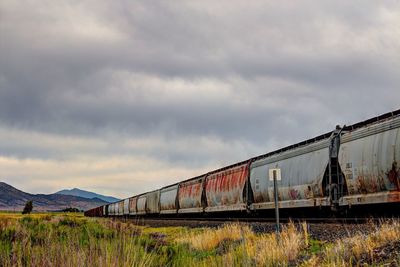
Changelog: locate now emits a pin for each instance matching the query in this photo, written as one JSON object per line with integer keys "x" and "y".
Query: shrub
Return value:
{"x": 28, "y": 207}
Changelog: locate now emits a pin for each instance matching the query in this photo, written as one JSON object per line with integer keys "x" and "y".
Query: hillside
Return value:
{"x": 86, "y": 194}
{"x": 14, "y": 199}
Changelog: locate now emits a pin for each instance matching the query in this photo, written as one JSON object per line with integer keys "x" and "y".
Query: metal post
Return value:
{"x": 276, "y": 202}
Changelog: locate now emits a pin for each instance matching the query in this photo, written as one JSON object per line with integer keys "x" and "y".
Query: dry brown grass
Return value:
{"x": 351, "y": 250}
{"x": 259, "y": 250}
{"x": 211, "y": 238}
{"x": 272, "y": 250}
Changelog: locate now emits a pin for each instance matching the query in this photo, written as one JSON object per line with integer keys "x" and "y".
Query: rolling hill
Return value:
{"x": 86, "y": 194}
{"x": 13, "y": 199}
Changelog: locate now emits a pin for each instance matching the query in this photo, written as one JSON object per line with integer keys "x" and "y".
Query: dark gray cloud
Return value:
{"x": 193, "y": 84}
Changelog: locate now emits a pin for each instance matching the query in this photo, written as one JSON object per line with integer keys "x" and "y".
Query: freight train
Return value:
{"x": 349, "y": 167}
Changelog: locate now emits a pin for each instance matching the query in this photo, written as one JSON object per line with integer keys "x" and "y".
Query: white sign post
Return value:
{"x": 275, "y": 175}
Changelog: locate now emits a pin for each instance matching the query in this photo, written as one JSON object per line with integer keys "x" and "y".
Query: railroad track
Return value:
{"x": 342, "y": 220}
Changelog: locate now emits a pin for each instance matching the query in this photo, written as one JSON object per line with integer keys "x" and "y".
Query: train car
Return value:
{"x": 88, "y": 213}
{"x": 120, "y": 208}
{"x": 109, "y": 213}
{"x": 191, "y": 195}
{"x": 105, "y": 209}
{"x": 132, "y": 205}
{"x": 302, "y": 171}
{"x": 141, "y": 204}
{"x": 169, "y": 199}
{"x": 95, "y": 212}
{"x": 153, "y": 202}
{"x": 115, "y": 209}
{"x": 226, "y": 189}
{"x": 126, "y": 207}
{"x": 100, "y": 212}
{"x": 369, "y": 157}
{"x": 112, "y": 209}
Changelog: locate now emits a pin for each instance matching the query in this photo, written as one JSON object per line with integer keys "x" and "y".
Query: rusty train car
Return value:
{"x": 352, "y": 166}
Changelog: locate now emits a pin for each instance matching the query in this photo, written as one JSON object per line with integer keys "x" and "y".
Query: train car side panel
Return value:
{"x": 168, "y": 199}
{"x": 141, "y": 205}
{"x": 132, "y": 205}
{"x": 370, "y": 160}
{"x": 152, "y": 204}
{"x": 190, "y": 195}
{"x": 225, "y": 189}
{"x": 106, "y": 209}
{"x": 121, "y": 208}
{"x": 126, "y": 206}
{"x": 302, "y": 173}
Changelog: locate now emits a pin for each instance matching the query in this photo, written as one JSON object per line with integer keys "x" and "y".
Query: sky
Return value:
{"x": 121, "y": 97}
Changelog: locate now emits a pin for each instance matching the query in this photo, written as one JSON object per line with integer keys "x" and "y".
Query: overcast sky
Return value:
{"x": 120, "y": 97}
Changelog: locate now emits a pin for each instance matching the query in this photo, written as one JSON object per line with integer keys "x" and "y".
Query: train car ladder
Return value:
{"x": 336, "y": 179}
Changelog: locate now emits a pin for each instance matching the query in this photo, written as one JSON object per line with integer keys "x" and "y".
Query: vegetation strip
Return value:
{"x": 66, "y": 239}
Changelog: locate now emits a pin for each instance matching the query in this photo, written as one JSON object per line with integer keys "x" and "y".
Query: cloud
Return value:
{"x": 182, "y": 87}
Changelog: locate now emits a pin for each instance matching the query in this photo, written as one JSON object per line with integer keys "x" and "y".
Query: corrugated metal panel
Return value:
{"x": 168, "y": 199}
{"x": 111, "y": 209}
{"x": 224, "y": 189}
{"x": 189, "y": 195}
{"x": 114, "y": 209}
{"x": 152, "y": 202}
{"x": 302, "y": 174}
{"x": 132, "y": 205}
{"x": 126, "y": 206}
{"x": 141, "y": 205}
{"x": 121, "y": 208}
{"x": 316, "y": 146}
{"x": 370, "y": 158}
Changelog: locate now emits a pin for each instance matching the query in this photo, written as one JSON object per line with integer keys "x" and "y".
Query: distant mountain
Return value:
{"x": 86, "y": 194}
{"x": 14, "y": 199}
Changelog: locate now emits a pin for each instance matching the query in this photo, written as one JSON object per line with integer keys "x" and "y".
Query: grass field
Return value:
{"x": 46, "y": 239}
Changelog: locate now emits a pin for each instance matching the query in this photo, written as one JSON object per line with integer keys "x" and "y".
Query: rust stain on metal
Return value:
{"x": 189, "y": 194}
{"x": 259, "y": 198}
{"x": 308, "y": 193}
{"x": 362, "y": 188}
{"x": 168, "y": 207}
{"x": 225, "y": 188}
{"x": 120, "y": 207}
{"x": 393, "y": 175}
{"x": 381, "y": 182}
{"x": 132, "y": 204}
{"x": 294, "y": 194}
{"x": 394, "y": 197}
{"x": 168, "y": 198}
